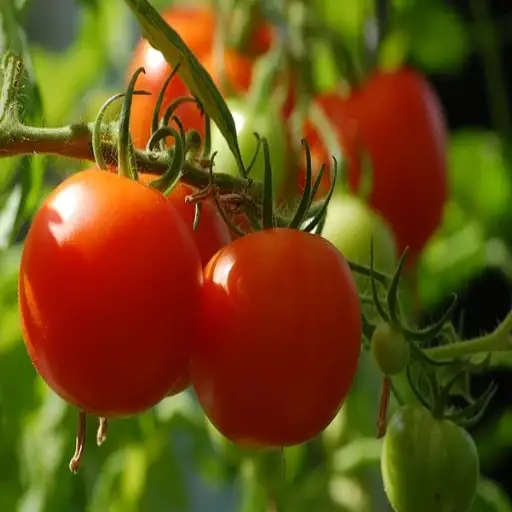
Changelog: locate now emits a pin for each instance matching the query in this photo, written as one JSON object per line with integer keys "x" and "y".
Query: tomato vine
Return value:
{"x": 396, "y": 343}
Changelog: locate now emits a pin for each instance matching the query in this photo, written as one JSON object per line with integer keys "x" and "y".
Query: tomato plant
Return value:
{"x": 109, "y": 284}
{"x": 267, "y": 123}
{"x": 281, "y": 338}
{"x": 122, "y": 303}
{"x": 212, "y": 233}
{"x": 397, "y": 120}
{"x": 196, "y": 26}
{"x": 428, "y": 464}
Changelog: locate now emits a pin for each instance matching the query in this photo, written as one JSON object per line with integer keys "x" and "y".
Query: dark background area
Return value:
{"x": 487, "y": 299}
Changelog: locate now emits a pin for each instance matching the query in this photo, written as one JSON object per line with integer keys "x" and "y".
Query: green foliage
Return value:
{"x": 164, "y": 459}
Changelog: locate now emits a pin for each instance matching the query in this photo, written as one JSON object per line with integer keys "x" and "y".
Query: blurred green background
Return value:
{"x": 166, "y": 460}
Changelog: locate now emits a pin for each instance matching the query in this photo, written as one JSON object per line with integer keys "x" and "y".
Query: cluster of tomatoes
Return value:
{"x": 393, "y": 117}
{"x": 124, "y": 302}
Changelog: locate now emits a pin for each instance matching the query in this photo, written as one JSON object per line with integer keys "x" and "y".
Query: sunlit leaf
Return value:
{"x": 165, "y": 39}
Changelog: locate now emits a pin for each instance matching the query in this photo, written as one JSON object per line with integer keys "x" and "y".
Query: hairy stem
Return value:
{"x": 75, "y": 141}
{"x": 499, "y": 340}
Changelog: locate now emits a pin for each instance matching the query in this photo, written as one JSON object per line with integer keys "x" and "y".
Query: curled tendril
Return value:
{"x": 171, "y": 177}
{"x": 171, "y": 109}
{"x": 96, "y": 130}
{"x": 160, "y": 99}
{"x": 124, "y": 143}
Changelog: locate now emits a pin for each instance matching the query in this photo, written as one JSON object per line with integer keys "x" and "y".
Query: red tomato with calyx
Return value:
{"x": 196, "y": 26}
{"x": 398, "y": 120}
{"x": 281, "y": 338}
{"x": 212, "y": 232}
{"x": 109, "y": 333}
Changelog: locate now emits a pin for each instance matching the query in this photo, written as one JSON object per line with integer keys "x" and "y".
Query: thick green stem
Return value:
{"x": 75, "y": 141}
{"x": 498, "y": 341}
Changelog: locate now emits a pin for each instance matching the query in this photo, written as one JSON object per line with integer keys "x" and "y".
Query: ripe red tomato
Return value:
{"x": 196, "y": 26}
{"x": 397, "y": 118}
{"x": 109, "y": 333}
{"x": 212, "y": 233}
{"x": 428, "y": 464}
{"x": 281, "y": 338}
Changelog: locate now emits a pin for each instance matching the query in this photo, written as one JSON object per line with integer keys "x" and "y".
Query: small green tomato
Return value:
{"x": 350, "y": 225}
{"x": 390, "y": 349}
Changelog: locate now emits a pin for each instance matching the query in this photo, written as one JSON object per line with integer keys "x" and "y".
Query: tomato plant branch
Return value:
{"x": 75, "y": 141}
{"x": 500, "y": 340}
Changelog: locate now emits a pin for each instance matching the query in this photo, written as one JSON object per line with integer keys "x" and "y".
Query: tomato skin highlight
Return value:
{"x": 107, "y": 332}
{"x": 212, "y": 232}
{"x": 428, "y": 464}
{"x": 196, "y": 26}
{"x": 281, "y": 338}
{"x": 396, "y": 117}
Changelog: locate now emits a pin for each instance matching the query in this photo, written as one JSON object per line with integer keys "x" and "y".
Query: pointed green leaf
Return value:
{"x": 166, "y": 40}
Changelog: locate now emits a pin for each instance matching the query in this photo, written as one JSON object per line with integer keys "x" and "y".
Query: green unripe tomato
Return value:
{"x": 349, "y": 226}
{"x": 427, "y": 464}
{"x": 266, "y": 123}
{"x": 390, "y": 349}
